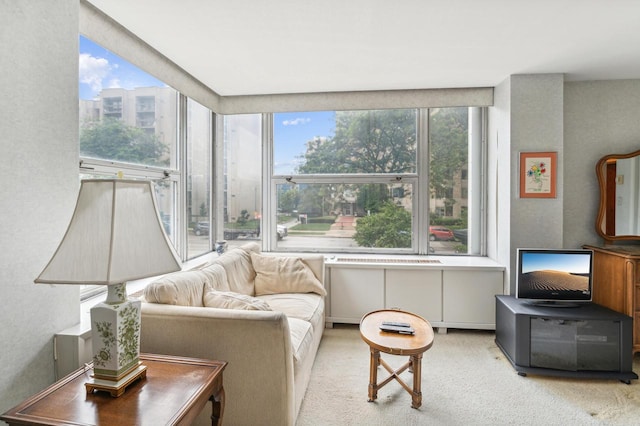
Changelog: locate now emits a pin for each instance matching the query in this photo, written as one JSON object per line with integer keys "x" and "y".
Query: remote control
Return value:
{"x": 395, "y": 329}
{"x": 396, "y": 324}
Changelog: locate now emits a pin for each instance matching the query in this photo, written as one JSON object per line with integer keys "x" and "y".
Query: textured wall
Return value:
{"x": 536, "y": 125}
{"x": 39, "y": 163}
{"x": 601, "y": 118}
{"x": 527, "y": 116}
{"x": 582, "y": 121}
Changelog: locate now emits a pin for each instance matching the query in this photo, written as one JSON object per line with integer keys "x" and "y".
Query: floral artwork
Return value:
{"x": 537, "y": 175}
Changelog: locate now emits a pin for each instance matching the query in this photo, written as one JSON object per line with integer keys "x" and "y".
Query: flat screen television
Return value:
{"x": 554, "y": 277}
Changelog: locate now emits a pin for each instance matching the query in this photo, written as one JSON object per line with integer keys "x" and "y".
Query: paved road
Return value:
{"x": 329, "y": 241}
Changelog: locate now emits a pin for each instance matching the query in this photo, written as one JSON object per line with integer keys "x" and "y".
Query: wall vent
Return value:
{"x": 385, "y": 260}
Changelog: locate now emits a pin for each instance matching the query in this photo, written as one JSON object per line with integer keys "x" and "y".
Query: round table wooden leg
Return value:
{"x": 373, "y": 374}
{"x": 416, "y": 396}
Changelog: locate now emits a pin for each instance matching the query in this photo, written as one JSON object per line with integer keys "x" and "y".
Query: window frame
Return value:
{"x": 176, "y": 173}
{"x": 421, "y": 194}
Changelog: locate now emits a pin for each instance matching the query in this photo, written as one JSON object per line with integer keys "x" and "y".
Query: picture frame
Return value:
{"x": 538, "y": 174}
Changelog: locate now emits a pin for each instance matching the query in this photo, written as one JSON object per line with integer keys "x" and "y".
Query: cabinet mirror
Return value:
{"x": 619, "y": 212}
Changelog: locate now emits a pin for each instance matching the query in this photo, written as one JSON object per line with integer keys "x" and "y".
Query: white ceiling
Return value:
{"x": 249, "y": 47}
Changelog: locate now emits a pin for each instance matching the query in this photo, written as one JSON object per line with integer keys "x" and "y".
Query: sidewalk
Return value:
{"x": 343, "y": 227}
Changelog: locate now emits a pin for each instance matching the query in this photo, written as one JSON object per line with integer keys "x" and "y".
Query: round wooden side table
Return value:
{"x": 412, "y": 345}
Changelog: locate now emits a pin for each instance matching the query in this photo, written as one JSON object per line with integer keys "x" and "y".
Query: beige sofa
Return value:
{"x": 260, "y": 312}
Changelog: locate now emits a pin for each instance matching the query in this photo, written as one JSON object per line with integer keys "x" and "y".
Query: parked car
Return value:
{"x": 201, "y": 228}
{"x": 461, "y": 235}
{"x": 440, "y": 233}
{"x": 282, "y": 231}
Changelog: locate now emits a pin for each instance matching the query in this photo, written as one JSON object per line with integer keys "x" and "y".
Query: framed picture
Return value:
{"x": 538, "y": 174}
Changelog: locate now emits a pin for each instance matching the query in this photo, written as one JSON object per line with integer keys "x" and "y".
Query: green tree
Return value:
{"x": 381, "y": 141}
{"x": 288, "y": 198}
{"x": 448, "y": 148}
{"x": 111, "y": 139}
{"x": 391, "y": 227}
{"x": 244, "y": 217}
{"x": 372, "y": 197}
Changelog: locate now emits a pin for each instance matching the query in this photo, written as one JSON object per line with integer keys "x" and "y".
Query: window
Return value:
{"x": 199, "y": 142}
{"x": 354, "y": 180}
{"x": 128, "y": 128}
{"x": 135, "y": 126}
{"x": 240, "y": 180}
{"x": 345, "y": 180}
{"x": 373, "y": 181}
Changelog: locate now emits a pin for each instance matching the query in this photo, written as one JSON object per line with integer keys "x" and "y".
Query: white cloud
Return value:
{"x": 93, "y": 71}
{"x": 296, "y": 121}
{"x": 114, "y": 83}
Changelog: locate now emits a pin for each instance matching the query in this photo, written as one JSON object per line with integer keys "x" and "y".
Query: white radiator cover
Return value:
{"x": 71, "y": 350}
{"x": 451, "y": 292}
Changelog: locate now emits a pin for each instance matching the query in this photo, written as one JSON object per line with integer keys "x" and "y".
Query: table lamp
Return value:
{"x": 115, "y": 235}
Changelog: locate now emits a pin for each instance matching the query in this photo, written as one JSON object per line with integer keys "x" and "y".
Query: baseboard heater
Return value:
{"x": 71, "y": 350}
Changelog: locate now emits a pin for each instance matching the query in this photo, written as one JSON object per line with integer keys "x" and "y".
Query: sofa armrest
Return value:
{"x": 256, "y": 345}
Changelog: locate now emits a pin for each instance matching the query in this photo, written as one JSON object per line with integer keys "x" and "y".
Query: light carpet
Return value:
{"x": 466, "y": 380}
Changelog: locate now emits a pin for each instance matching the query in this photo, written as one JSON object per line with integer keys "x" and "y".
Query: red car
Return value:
{"x": 440, "y": 233}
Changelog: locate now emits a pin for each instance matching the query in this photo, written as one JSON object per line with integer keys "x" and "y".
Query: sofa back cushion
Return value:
{"x": 276, "y": 275}
{"x": 185, "y": 288}
{"x": 240, "y": 273}
{"x": 216, "y": 277}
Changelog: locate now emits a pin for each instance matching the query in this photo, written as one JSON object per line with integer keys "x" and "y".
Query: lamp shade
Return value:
{"x": 115, "y": 235}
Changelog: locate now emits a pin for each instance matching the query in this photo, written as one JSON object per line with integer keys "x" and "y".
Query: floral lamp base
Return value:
{"x": 116, "y": 388}
{"x": 115, "y": 335}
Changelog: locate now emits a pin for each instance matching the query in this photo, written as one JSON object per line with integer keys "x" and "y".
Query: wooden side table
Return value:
{"x": 396, "y": 344}
{"x": 174, "y": 392}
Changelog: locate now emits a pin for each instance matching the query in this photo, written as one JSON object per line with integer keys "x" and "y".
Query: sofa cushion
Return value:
{"x": 301, "y": 338}
{"x": 240, "y": 273}
{"x": 276, "y": 274}
{"x": 217, "y": 277}
{"x": 250, "y": 247}
{"x": 185, "y": 288}
{"x": 231, "y": 300}
{"x": 304, "y": 306}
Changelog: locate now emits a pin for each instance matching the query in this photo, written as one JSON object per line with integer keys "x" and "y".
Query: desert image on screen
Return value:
{"x": 554, "y": 280}
{"x": 549, "y": 273}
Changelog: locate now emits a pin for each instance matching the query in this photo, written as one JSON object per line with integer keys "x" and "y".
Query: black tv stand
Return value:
{"x": 589, "y": 342}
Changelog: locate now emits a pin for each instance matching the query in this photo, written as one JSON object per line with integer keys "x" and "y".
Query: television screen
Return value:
{"x": 554, "y": 275}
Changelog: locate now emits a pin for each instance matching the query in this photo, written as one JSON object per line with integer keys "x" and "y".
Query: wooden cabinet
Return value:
{"x": 456, "y": 293}
{"x": 616, "y": 282}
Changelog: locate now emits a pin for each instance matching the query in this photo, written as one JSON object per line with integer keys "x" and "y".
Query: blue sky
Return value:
{"x": 291, "y": 131}
{"x": 575, "y": 263}
{"x": 99, "y": 69}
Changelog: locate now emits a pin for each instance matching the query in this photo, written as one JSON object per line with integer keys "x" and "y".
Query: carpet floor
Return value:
{"x": 466, "y": 380}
